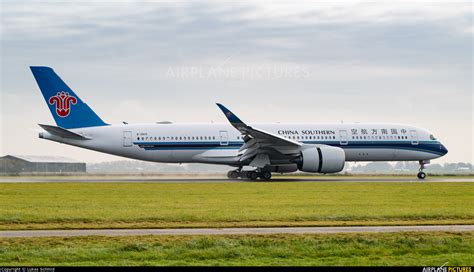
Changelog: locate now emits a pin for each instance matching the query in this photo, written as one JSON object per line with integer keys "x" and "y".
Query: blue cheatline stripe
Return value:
{"x": 306, "y": 142}
{"x": 396, "y": 147}
{"x": 174, "y": 143}
{"x": 423, "y": 146}
{"x": 191, "y": 148}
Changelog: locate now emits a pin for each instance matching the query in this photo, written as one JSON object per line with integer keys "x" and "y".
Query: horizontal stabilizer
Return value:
{"x": 63, "y": 133}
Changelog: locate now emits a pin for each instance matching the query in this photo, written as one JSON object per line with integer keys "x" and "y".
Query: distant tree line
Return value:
{"x": 401, "y": 167}
{"x": 131, "y": 166}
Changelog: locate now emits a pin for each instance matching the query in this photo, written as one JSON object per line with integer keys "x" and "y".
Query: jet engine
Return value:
{"x": 286, "y": 168}
{"x": 322, "y": 159}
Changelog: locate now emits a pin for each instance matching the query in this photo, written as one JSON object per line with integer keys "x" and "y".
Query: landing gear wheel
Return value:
{"x": 266, "y": 175}
{"x": 233, "y": 174}
{"x": 252, "y": 175}
{"x": 421, "y": 175}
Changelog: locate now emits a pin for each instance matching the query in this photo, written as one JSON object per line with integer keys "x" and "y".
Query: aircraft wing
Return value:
{"x": 260, "y": 146}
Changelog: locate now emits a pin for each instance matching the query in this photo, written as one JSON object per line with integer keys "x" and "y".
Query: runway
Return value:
{"x": 216, "y": 179}
{"x": 230, "y": 231}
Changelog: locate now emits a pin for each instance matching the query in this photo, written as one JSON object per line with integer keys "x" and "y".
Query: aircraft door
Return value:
{"x": 413, "y": 137}
{"x": 343, "y": 137}
{"x": 127, "y": 138}
{"x": 224, "y": 138}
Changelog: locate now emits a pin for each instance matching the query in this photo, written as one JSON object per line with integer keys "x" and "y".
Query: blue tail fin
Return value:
{"x": 68, "y": 110}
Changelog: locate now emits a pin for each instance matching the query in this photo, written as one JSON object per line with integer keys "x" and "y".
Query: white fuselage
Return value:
{"x": 219, "y": 143}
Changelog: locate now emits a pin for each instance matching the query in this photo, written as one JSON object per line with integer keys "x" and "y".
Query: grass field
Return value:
{"x": 419, "y": 249}
{"x": 161, "y": 205}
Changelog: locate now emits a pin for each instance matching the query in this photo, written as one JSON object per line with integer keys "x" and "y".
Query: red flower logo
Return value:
{"x": 63, "y": 103}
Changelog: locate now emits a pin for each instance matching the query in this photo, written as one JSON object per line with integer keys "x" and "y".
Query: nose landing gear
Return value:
{"x": 422, "y": 175}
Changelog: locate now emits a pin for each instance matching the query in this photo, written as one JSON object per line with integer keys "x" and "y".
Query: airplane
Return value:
{"x": 263, "y": 148}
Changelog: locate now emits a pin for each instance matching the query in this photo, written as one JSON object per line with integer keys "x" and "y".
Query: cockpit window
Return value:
{"x": 432, "y": 137}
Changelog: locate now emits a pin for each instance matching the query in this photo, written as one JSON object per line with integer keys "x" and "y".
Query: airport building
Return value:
{"x": 19, "y": 164}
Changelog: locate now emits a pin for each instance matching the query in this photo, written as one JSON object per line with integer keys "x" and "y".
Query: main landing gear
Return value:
{"x": 422, "y": 175}
{"x": 252, "y": 175}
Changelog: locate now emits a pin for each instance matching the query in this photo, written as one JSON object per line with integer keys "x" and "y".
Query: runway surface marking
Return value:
{"x": 212, "y": 179}
{"x": 228, "y": 231}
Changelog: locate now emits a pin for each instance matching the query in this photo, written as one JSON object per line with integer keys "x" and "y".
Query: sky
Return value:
{"x": 146, "y": 61}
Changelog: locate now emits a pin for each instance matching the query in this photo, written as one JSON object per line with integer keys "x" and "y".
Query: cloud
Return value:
{"x": 402, "y": 62}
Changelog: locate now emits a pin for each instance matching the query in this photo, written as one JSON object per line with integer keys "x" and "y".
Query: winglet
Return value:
{"x": 233, "y": 119}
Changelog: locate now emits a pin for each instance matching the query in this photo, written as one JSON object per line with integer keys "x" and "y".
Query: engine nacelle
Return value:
{"x": 324, "y": 159}
{"x": 285, "y": 168}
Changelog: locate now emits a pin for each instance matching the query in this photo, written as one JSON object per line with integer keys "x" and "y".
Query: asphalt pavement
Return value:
{"x": 230, "y": 231}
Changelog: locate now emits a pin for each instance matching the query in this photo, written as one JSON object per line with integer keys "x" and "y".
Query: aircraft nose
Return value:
{"x": 443, "y": 149}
